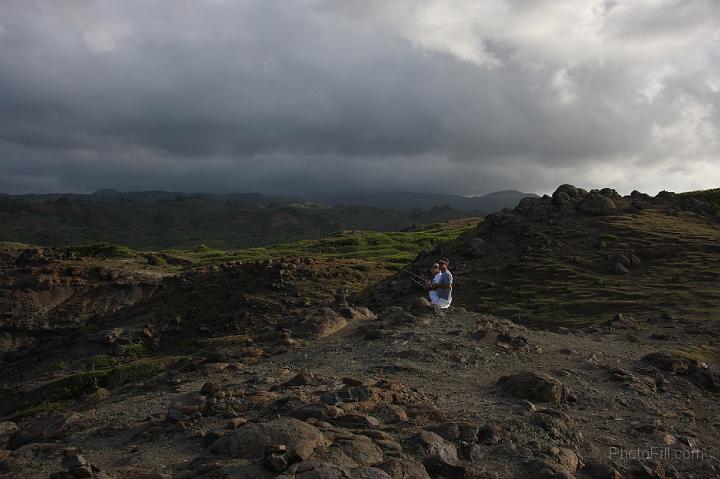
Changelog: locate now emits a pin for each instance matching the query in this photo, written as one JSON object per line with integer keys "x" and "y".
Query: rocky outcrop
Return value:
{"x": 44, "y": 428}
{"x": 44, "y": 294}
{"x": 252, "y": 441}
{"x": 321, "y": 323}
{"x": 533, "y": 386}
{"x": 597, "y": 204}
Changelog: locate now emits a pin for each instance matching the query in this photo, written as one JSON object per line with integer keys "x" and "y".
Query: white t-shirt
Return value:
{"x": 433, "y": 293}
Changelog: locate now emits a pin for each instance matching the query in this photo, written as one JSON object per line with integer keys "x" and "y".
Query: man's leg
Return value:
{"x": 443, "y": 303}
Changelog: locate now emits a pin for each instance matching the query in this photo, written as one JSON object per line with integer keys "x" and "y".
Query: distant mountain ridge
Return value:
{"x": 157, "y": 196}
{"x": 401, "y": 200}
{"x": 397, "y": 200}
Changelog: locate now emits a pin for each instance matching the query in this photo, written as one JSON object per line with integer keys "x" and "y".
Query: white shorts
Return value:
{"x": 433, "y": 296}
{"x": 443, "y": 303}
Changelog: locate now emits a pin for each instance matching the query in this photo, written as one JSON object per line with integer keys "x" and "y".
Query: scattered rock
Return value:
{"x": 235, "y": 423}
{"x": 435, "y": 450}
{"x": 540, "y": 469}
{"x": 597, "y": 470}
{"x": 398, "y": 468}
{"x": 489, "y": 435}
{"x": 43, "y": 429}
{"x": 302, "y": 379}
{"x": 357, "y": 420}
{"x": 667, "y": 361}
{"x": 360, "y": 449}
{"x": 321, "y": 323}
{"x": 534, "y": 387}
{"x": 254, "y": 440}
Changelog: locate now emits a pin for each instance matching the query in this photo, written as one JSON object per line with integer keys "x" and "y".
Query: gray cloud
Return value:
{"x": 327, "y": 96}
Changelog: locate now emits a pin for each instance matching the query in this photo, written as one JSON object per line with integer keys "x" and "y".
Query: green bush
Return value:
{"x": 134, "y": 351}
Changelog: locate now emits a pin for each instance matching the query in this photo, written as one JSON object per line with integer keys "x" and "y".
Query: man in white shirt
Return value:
{"x": 443, "y": 288}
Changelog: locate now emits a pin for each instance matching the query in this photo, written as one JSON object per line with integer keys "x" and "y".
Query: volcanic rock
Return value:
{"x": 597, "y": 204}
{"x": 321, "y": 323}
{"x": 254, "y": 440}
{"x": 43, "y": 429}
{"x": 533, "y": 386}
{"x": 666, "y": 361}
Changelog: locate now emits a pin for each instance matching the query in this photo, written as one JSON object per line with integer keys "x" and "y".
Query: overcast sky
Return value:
{"x": 308, "y": 97}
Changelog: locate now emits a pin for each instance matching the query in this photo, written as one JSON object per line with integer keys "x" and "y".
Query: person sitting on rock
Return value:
{"x": 443, "y": 287}
{"x": 434, "y": 279}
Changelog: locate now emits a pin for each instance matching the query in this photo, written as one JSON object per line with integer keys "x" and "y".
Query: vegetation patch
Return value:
{"x": 708, "y": 196}
{"x": 134, "y": 351}
{"x": 103, "y": 250}
{"x": 704, "y": 353}
{"x": 64, "y": 391}
{"x": 392, "y": 248}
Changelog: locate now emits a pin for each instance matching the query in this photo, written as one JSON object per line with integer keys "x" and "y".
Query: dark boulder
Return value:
{"x": 666, "y": 361}
{"x": 43, "y": 428}
{"x": 597, "y": 205}
{"x": 565, "y": 193}
{"x": 533, "y": 386}
{"x": 255, "y": 440}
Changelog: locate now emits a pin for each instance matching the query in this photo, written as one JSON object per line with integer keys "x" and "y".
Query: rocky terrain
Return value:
{"x": 583, "y": 342}
{"x": 579, "y": 257}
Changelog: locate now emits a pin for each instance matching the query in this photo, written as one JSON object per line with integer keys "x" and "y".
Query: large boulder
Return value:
{"x": 667, "y": 361}
{"x": 597, "y": 204}
{"x": 43, "y": 428}
{"x": 436, "y": 450}
{"x": 533, "y": 386}
{"x": 361, "y": 450}
{"x": 610, "y": 193}
{"x": 398, "y": 468}
{"x": 321, "y": 323}
{"x": 254, "y": 440}
{"x": 565, "y": 193}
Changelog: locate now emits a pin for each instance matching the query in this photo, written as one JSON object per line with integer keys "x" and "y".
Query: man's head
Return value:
{"x": 443, "y": 263}
{"x": 435, "y": 268}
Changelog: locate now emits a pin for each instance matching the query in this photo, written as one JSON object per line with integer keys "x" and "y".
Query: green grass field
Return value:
{"x": 394, "y": 248}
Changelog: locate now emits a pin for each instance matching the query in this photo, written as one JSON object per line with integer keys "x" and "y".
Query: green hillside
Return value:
{"x": 186, "y": 222}
{"x": 388, "y": 248}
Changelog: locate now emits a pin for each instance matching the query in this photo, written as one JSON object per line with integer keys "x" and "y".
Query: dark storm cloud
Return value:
{"x": 324, "y": 96}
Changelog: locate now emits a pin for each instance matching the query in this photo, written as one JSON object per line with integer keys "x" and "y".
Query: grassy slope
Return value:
{"x": 385, "y": 247}
{"x": 574, "y": 284}
{"x": 709, "y": 196}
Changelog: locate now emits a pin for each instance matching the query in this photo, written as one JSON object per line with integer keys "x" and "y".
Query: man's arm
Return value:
{"x": 442, "y": 285}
